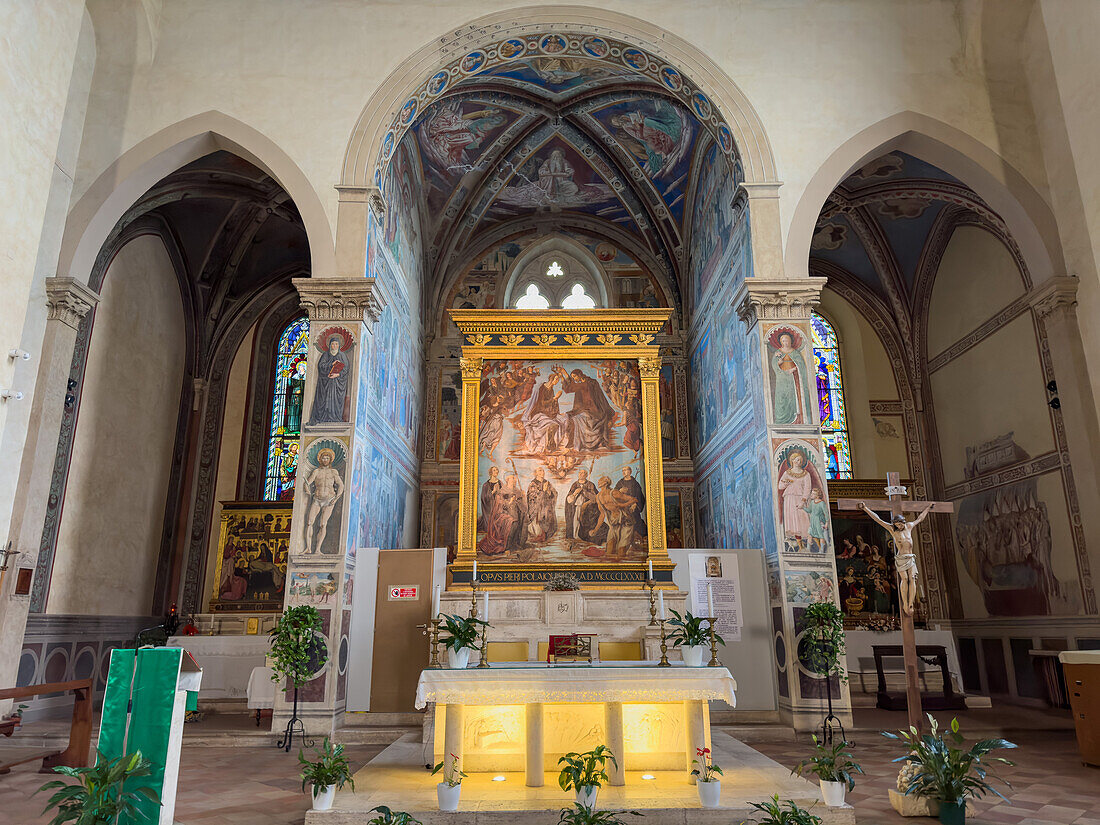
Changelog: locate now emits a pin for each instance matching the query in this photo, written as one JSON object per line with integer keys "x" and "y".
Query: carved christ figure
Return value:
{"x": 904, "y": 559}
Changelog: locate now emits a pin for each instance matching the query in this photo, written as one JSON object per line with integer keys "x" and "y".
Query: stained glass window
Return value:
{"x": 286, "y": 411}
{"x": 830, "y": 399}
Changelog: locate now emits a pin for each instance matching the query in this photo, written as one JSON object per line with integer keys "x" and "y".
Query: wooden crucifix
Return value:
{"x": 905, "y": 560}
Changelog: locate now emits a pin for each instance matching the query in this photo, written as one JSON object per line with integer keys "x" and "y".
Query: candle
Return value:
{"x": 661, "y": 603}
{"x": 710, "y": 599}
{"x": 485, "y": 606}
{"x": 475, "y": 570}
{"x": 651, "y": 569}
{"x": 435, "y": 601}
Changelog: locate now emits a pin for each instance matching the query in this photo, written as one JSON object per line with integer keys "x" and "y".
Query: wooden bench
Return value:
{"x": 75, "y": 754}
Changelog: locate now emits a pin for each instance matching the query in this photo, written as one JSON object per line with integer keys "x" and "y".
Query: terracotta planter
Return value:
{"x": 832, "y": 793}
{"x": 447, "y": 796}
{"x": 694, "y": 654}
{"x": 710, "y": 793}
{"x": 586, "y": 795}
{"x": 458, "y": 659}
{"x": 323, "y": 800}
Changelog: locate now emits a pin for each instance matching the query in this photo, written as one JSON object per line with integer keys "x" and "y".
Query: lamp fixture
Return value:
{"x": 15, "y": 353}
{"x": 14, "y": 395}
{"x": 499, "y": 778}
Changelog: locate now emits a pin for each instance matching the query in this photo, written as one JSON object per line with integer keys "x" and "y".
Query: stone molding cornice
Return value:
{"x": 68, "y": 300}
{"x": 777, "y": 299}
{"x": 340, "y": 299}
{"x": 1056, "y": 294}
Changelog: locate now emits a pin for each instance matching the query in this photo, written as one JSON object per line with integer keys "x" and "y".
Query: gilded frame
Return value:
{"x": 492, "y": 334}
{"x": 250, "y": 541}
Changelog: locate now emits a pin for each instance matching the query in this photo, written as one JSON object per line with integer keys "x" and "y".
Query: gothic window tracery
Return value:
{"x": 287, "y": 402}
{"x": 830, "y": 399}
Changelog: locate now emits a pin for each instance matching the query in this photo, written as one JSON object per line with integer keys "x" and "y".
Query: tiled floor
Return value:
{"x": 259, "y": 785}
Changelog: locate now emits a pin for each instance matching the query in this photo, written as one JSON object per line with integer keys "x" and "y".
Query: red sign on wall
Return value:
{"x": 404, "y": 592}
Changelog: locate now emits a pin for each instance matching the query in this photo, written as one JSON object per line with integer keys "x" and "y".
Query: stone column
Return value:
{"x": 321, "y": 562}
{"x": 1054, "y": 303}
{"x": 776, "y": 314}
{"x": 68, "y": 302}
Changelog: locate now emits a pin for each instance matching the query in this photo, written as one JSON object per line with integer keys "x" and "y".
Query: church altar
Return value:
{"x": 501, "y": 717}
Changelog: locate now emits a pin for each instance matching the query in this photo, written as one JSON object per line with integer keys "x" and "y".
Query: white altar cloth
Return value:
{"x": 683, "y": 693}
{"x": 521, "y": 683}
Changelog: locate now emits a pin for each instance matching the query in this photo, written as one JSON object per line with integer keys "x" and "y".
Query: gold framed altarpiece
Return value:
{"x": 250, "y": 569}
{"x": 560, "y": 462}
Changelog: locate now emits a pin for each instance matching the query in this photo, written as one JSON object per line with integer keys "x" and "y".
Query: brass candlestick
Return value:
{"x": 652, "y": 602}
{"x": 664, "y": 648}
{"x": 713, "y": 646}
{"x": 431, "y": 630}
{"x": 484, "y": 646}
{"x": 473, "y": 598}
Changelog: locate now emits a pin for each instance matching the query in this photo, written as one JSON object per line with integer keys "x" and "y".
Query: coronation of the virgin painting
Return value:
{"x": 560, "y": 474}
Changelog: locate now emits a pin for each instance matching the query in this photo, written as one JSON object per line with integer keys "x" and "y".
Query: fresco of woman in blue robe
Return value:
{"x": 790, "y": 388}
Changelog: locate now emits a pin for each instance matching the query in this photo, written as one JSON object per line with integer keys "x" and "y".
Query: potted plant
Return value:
{"x": 296, "y": 655}
{"x": 100, "y": 796}
{"x": 388, "y": 817}
{"x": 327, "y": 774}
{"x": 13, "y": 720}
{"x": 834, "y": 768}
{"x": 783, "y": 813}
{"x": 692, "y": 635}
{"x": 585, "y": 773}
{"x": 821, "y": 649}
{"x": 449, "y": 790}
{"x": 707, "y": 778}
{"x": 947, "y": 772}
{"x": 580, "y": 815}
{"x": 459, "y": 636}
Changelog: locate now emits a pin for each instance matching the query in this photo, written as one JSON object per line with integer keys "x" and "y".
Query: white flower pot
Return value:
{"x": 694, "y": 654}
{"x": 448, "y": 796}
{"x": 833, "y": 792}
{"x": 710, "y": 793}
{"x": 586, "y": 795}
{"x": 323, "y": 800}
{"x": 458, "y": 659}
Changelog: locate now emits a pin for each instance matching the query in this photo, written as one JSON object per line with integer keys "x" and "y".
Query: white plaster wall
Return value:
{"x": 992, "y": 389}
{"x": 868, "y": 376}
{"x": 817, "y": 73}
{"x": 229, "y": 453}
{"x": 40, "y": 63}
{"x": 114, "y": 507}
{"x": 977, "y": 278}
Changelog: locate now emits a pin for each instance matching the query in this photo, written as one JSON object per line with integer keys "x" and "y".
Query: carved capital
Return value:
{"x": 1058, "y": 294}
{"x": 340, "y": 299}
{"x": 68, "y": 301}
{"x": 650, "y": 367}
{"x": 777, "y": 300}
{"x": 471, "y": 368}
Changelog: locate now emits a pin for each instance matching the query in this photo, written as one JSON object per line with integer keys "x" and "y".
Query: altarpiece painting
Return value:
{"x": 561, "y": 446}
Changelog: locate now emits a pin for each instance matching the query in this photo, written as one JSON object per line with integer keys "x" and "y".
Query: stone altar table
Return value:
{"x": 497, "y": 718}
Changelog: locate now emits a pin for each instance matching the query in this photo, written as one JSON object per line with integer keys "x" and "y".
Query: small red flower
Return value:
{"x": 700, "y": 751}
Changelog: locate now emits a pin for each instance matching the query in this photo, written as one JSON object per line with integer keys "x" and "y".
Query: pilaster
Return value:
{"x": 68, "y": 302}
{"x": 321, "y": 559}
{"x": 776, "y": 313}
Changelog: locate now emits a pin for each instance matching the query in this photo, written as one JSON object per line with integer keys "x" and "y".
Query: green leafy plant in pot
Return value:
{"x": 585, "y": 773}
{"x": 99, "y": 796}
{"x": 692, "y": 635}
{"x": 946, "y": 771}
{"x": 387, "y": 816}
{"x": 835, "y": 769}
{"x": 326, "y": 774}
{"x": 297, "y": 653}
{"x": 783, "y": 813}
{"x": 459, "y": 636}
{"x": 448, "y": 791}
{"x": 821, "y": 649}
{"x": 580, "y": 815}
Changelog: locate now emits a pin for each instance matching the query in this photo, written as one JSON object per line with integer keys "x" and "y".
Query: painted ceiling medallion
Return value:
{"x": 473, "y": 62}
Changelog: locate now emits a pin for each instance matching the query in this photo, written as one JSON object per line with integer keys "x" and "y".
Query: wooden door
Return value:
{"x": 400, "y": 650}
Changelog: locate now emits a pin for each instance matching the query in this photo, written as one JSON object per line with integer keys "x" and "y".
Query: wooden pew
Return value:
{"x": 80, "y": 731}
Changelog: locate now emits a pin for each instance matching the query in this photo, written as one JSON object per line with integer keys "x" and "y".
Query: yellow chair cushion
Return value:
{"x": 506, "y": 652}
{"x": 621, "y": 652}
